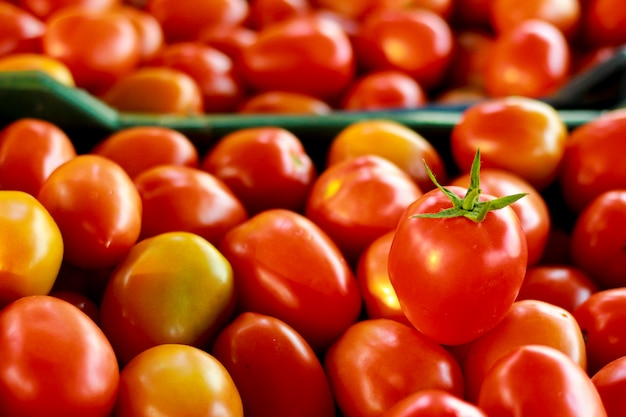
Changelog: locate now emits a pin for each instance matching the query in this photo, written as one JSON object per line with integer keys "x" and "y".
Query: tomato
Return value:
{"x": 30, "y": 149}
{"x": 610, "y": 383}
{"x": 378, "y": 362}
{"x": 530, "y": 59}
{"x": 532, "y": 210}
{"x": 44, "y": 8}
{"x": 562, "y": 285}
{"x": 519, "y": 134}
{"x": 275, "y": 370}
{"x": 466, "y": 265}
{"x": 464, "y": 96}
{"x": 81, "y": 301}
{"x": 52, "y": 67}
{"x": 591, "y": 162}
{"x": 267, "y": 12}
{"x": 157, "y": 90}
{"x": 32, "y": 247}
{"x": 149, "y": 31}
{"x": 305, "y": 55}
{"x": 213, "y": 71}
{"x": 174, "y": 380}
{"x": 178, "y": 198}
{"x": 157, "y": 145}
{"x": 565, "y": 15}
{"x": 358, "y": 200}
{"x": 535, "y": 380}
{"x": 20, "y": 31}
{"x": 597, "y": 242}
{"x": 175, "y": 287}
{"x": 97, "y": 208}
{"x": 527, "y": 322}
{"x": 380, "y": 90}
{"x": 265, "y": 167}
{"x": 393, "y": 141}
{"x": 379, "y": 297}
{"x": 287, "y": 267}
{"x": 433, "y": 402}
{"x": 80, "y": 38}
{"x": 284, "y": 102}
{"x": 603, "y": 23}
{"x": 183, "y": 20}
{"x": 468, "y": 61}
{"x": 386, "y": 39}
{"x": 602, "y": 318}
{"x": 231, "y": 40}
{"x": 54, "y": 348}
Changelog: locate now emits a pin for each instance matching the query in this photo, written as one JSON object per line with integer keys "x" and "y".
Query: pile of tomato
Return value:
{"x": 147, "y": 276}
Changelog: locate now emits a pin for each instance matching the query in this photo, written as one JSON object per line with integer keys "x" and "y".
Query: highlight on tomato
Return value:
{"x": 20, "y": 30}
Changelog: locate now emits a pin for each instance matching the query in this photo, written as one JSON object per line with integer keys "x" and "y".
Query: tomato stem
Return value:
{"x": 470, "y": 205}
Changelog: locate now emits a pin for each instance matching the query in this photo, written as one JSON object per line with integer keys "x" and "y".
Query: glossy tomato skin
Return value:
{"x": 598, "y": 237}
{"x": 52, "y": 67}
{"x": 44, "y": 8}
{"x": 306, "y": 55}
{"x": 172, "y": 288}
{"x": 543, "y": 381}
{"x": 275, "y": 370}
{"x": 20, "y": 31}
{"x": 55, "y": 348}
{"x": 174, "y": 380}
{"x": 267, "y": 12}
{"x": 30, "y": 149}
{"x": 433, "y": 402}
{"x": 472, "y": 267}
{"x": 284, "y": 102}
{"x": 285, "y": 266}
{"x": 564, "y": 15}
{"x": 378, "y": 362}
{"x": 149, "y": 31}
{"x": 610, "y": 383}
{"x": 265, "y": 167}
{"x": 382, "y": 190}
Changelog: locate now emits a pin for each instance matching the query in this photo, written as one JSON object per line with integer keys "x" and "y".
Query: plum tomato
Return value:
{"x": 54, "y": 348}
{"x": 457, "y": 261}
{"x": 97, "y": 208}
{"x": 358, "y": 200}
{"x": 284, "y": 102}
{"x": 45, "y": 8}
{"x": 32, "y": 247}
{"x": 520, "y": 134}
{"x": 599, "y": 237}
{"x": 537, "y": 380}
{"x": 610, "y": 381}
{"x": 391, "y": 140}
{"x": 565, "y": 15}
{"x": 285, "y": 266}
{"x": 378, "y": 362}
{"x": 157, "y": 145}
{"x": 275, "y": 370}
{"x": 433, "y": 402}
{"x": 175, "y": 380}
{"x": 20, "y": 30}
{"x": 52, "y": 67}
{"x": 30, "y": 149}
{"x": 175, "y": 287}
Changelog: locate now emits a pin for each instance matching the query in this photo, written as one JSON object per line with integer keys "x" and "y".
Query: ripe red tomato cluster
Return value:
{"x": 307, "y": 56}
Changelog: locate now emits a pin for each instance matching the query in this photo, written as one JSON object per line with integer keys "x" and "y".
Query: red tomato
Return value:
{"x": 610, "y": 381}
{"x": 178, "y": 198}
{"x": 531, "y": 59}
{"x": 565, "y": 15}
{"x": 183, "y": 20}
{"x": 275, "y": 370}
{"x": 532, "y": 210}
{"x": 602, "y": 318}
{"x": 519, "y": 134}
{"x": 49, "y": 348}
{"x": 81, "y": 301}
{"x": 44, "y": 8}
{"x": 265, "y": 167}
{"x": 597, "y": 241}
{"x": 172, "y": 288}
{"x": 528, "y": 322}
{"x": 149, "y": 31}
{"x": 603, "y": 22}
{"x": 157, "y": 145}
{"x": 464, "y": 273}
{"x": 416, "y": 41}
{"x": 284, "y": 102}
{"x": 431, "y": 403}
{"x": 287, "y": 267}
{"x": 97, "y": 208}
{"x": 175, "y": 380}
{"x": 358, "y": 200}
{"x": 80, "y": 38}
{"x": 30, "y": 149}
{"x": 540, "y": 381}
{"x": 592, "y": 161}
{"x": 266, "y": 12}
{"x": 305, "y": 55}
{"x": 231, "y": 40}
{"x": 562, "y": 285}
{"x": 380, "y": 90}
{"x": 378, "y": 362}
{"x": 20, "y": 31}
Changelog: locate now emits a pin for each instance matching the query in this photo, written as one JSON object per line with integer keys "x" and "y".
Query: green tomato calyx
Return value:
{"x": 469, "y": 206}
